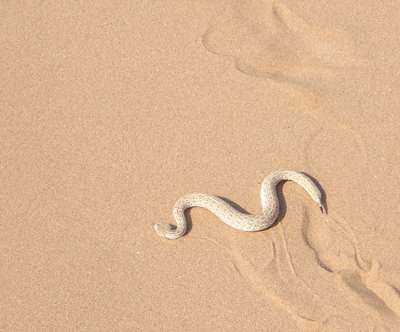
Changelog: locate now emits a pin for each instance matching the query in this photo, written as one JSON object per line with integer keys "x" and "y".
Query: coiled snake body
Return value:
{"x": 231, "y": 216}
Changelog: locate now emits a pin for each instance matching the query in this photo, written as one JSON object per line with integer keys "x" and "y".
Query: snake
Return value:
{"x": 231, "y": 216}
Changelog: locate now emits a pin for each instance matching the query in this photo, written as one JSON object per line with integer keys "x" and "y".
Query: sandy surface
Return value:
{"x": 111, "y": 110}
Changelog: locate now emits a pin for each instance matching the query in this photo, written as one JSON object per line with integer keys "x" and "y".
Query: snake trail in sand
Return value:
{"x": 231, "y": 216}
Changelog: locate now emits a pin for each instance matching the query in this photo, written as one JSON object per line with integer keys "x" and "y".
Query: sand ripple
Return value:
{"x": 268, "y": 40}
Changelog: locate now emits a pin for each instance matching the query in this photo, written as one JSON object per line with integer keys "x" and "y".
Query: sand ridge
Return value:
{"x": 266, "y": 39}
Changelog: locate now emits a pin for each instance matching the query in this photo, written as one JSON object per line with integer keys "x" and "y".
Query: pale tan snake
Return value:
{"x": 231, "y": 216}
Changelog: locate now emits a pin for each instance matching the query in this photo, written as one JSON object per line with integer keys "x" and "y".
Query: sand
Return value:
{"x": 112, "y": 110}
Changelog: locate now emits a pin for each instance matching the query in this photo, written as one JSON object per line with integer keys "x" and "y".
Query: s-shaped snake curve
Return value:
{"x": 234, "y": 218}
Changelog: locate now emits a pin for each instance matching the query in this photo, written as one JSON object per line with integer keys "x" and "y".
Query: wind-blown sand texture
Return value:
{"x": 111, "y": 110}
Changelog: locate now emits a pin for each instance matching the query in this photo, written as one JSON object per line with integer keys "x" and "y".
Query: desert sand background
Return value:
{"x": 112, "y": 110}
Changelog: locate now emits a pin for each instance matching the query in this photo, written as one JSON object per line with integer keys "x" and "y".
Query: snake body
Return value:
{"x": 231, "y": 216}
